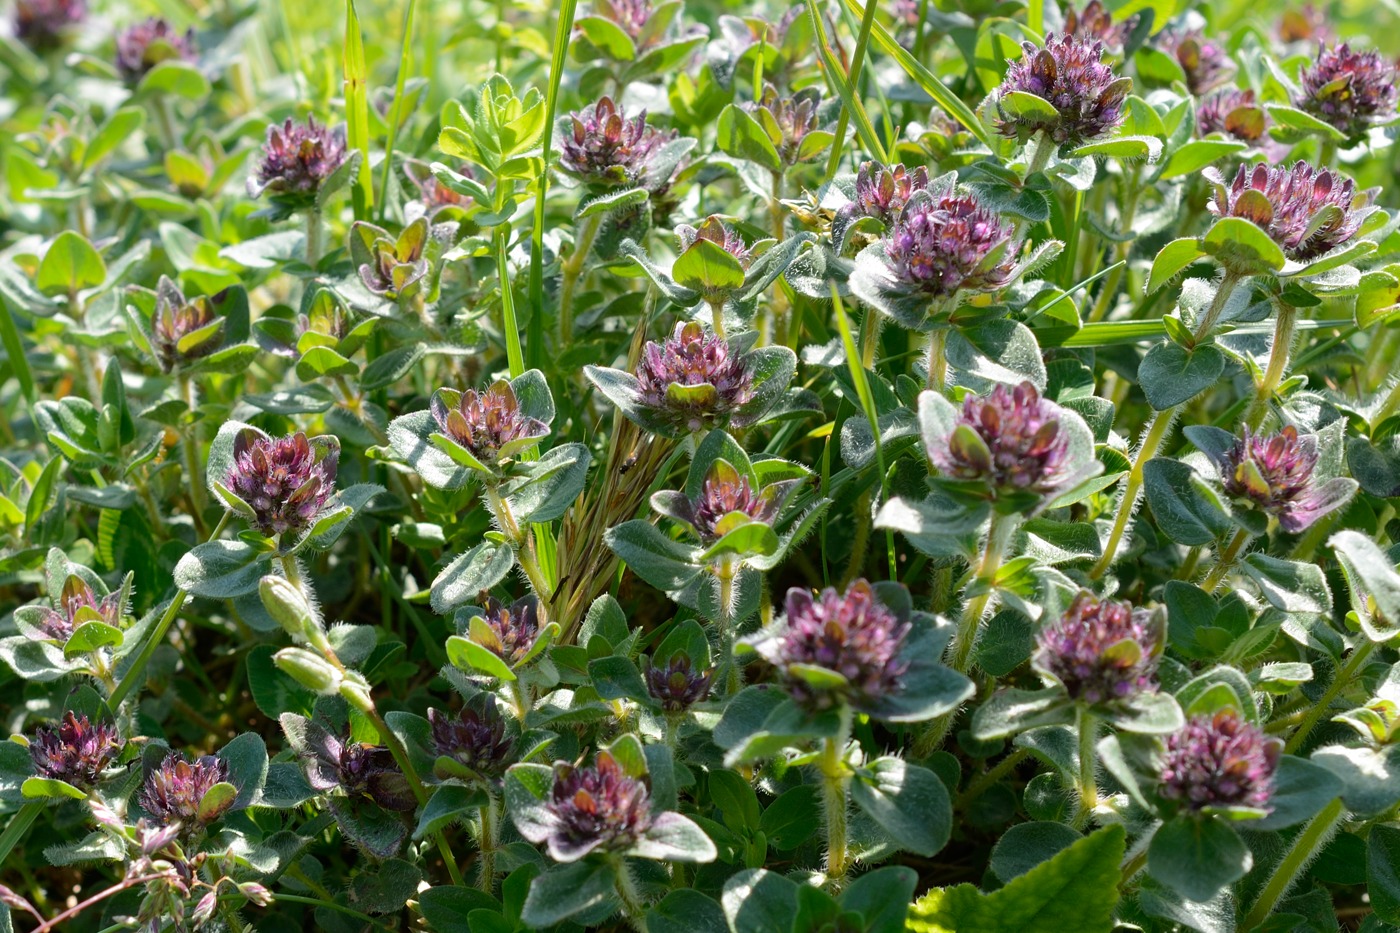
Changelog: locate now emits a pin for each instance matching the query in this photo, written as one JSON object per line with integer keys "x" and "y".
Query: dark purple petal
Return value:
{"x": 77, "y": 751}
{"x": 1219, "y": 760}
{"x": 853, "y": 634}
{"x": 285, "y": 480}
{"x": 1351, "y": 90}
{"x": 1101, "y": 651}
{"x": 1287, "y": 201}
{"x": 1009, "y": 439}
{"x": 1070, "y": 75}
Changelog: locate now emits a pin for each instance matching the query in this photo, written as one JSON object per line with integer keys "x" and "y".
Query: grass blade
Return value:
{"x": 845, "y": 87}
{"x": 396, "y": 111}
{"x": 357, "y": 110}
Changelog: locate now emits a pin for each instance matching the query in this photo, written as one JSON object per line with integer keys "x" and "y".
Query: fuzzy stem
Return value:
{"x": 1319, "y": 709}
{"x": 1306, "y": 845}
{"x": 1088, "y": 728}
{"x": 717, "y": 316}
{"x": 1156, "y": 433}
{"x": 156, "y": 637}
{"x": 1044, "y": 148}
{"x": 522, "y": 544}
{"x": 836, "y": 779}
{"x": 998, "y": 537}
{"x": 633, "y": 907}
{"x": 724, "y": 573}
{"x": 313, "y": 237}
{"x": 1000, "y": 770}
{"x": 1226, "y": 560}
{"x": 573, "y": 270}
{"x": 1217, "y": 307}
{"x": 1392, "y": 401}
{"x": 415, "y": 784}
{"x": 490, "y": 838}
{"x": 938, "y": 359}
{"x": 1278, "y": 362}
{"x": 189, "y": 446}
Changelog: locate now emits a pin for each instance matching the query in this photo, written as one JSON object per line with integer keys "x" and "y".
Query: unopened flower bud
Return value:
{"x": 310, "y": 670}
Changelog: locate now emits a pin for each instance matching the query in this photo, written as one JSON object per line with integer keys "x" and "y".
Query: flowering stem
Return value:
{"x": 1088, "y": 727}
{"x": 717, "y": 317}
{"x": 724, "y": 572}
{"x": 988, "y": 778}
{"x": 1040, "y": 158}
{"x": 998, "y": 536}
{"x": 1217, "y": 307}
{"x": 1226, "y": 560}
{"x": 313, "y": 236}
{"x": 1306, "y": 845}
{"x": 189, "y": 446}
{"x": 166, "y": 116}
{"x": 1156, "y": 433}
{"x": 521, "y": 543}
{"x": 153, "y": 641}
{"x": 76, "y": 909}
{"x": 573, "y": 270}
{"x": 415, "y": 784}
{"x": 633, "y": 907}
{"x": 836, "y": 778}
{"x": 1319, "y": 709}
{"x": 1278, "y": 362}
{"x": 938, "y": 359}
{"x": 490, "y": 836}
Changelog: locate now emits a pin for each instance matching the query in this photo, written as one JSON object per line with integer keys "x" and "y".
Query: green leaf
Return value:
{"x": 705, "y": 266}
{"x": 908, "y": 802}
{"x": 1300, "y": 790}
{"x": 686, "y": 910}
{"x": 759, "y": 901}
{"x": 1242, "y": 247}
{"x": 1197, "y": 856}
{"x": 674, "y": 838}
{"x": 1196, "y": 155}
{"x": 468, "y": 656}
{"x": 478, "y": 569}
{"x": 1187, "y": 510}
{"x": 91, "y": 636}
{"x": 449, "y": 804}
{"x": 50, "y": 787}
{"x": 221, "y": 569}
{"x": 740, "y": 136}
{"x": 176, "y": 77}
{"x": 1171, "y": 259}
{"x": 617, "y": 678}
{"x": 1076, "y": 890}
{"x": 1171, "y": 375}
{"x": 70, "y": 265}
{"x": 1373, "y": 581}
{"x": 1383, "y": 872}
{"x": 567, "y": 890}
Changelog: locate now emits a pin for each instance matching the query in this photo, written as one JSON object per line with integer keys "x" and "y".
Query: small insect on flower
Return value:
{"x": 42, "y": 24}
{"x": 1205, "y": 62}
{"x": 852, "y": 634}
{"x": 488, "y": 424}
{"x": 599, "y": 807}
{"x": 76, "y": 751}
{"x": 175, "y": 791}
{"x": 1348, "y": 89}
{"x": 1219, "y": 760}
{"x": 79, "y": 603}
{"x": 605, "y": 148}
{"x": 1307, "y": 211}
{"x": 183, "y": 331}
{"x": 297, "y": 160}
{"x": 1234, "y": 112}
{"x": 1011, "y": 440}
{"x": 287, "y": 481}
{"x": 1070, "y": 75}
{"x": 1276, "y": 475}
{"x": 675, "y": 684}
{"x": 1101, "y": 650}
{"x": 148, "y": 43}
{"x": 692, "y": 379}
{"x": 940, "y": 246}
{"x": 475, "y": 739}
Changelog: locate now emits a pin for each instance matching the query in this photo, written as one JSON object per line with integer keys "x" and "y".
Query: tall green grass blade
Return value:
{"x": 396, "y": 111}
{"x": 357, "y": 111}
{"x": 925, "y": 79}
{"x": 14, "y": 351}
{"x": 853, "y": 81}
{"x": 845, "y": 86}
{"x": 562, "y": 33}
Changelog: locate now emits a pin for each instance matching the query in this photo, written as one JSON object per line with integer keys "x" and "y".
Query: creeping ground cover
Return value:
{"x": 699, "y": 466}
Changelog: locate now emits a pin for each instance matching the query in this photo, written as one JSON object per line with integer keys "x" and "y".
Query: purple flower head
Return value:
{"x": 1204, "y": 61}
{"x": 174, "y": 791}
{"x": 1234, "y": 112}
{"x": 488, "y": 424}
{"x": 512, "y": 629}
{"x": 692, "y": 379}
{"x": 183, "y": 331}
{"x": 1010, "y": 439}
{"x": 882, "y": 191}
{"x": 297, "y": 160}
{"x": 1307, "y": 211}
{"x": 76, "y": 752}
{"x": 788, "y": 120}
{"x": 727, "y": 500}
{"x": 148, "y": 43}
{"x": 287, "y": 480}
{"x": 1095, "y": 22}
{"x": 852, "y": 634}
{"x": 1101, "y": 651}
{"x": 1304, "y": 23}
{"x": 41, "y": 24}
{"x": 1220, "y": 760}
{"x": 1275, "y": 474}
{"x": 676, "y": 685}
{"x": 476, "y": 738}
{"x": 1348, "y": 89}
{"x": 1070, "y": 75}
{"x": 631, "y": 16}
{"x": 596, "y": 808}
{"x": 370, "y": 771}
{"x": 718, "y": 232}
{"x": 79, "y": 603}
{"x": 605, "y": 148}
{"x": 949, "y": 244}
{"x": 394, "y": 267}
